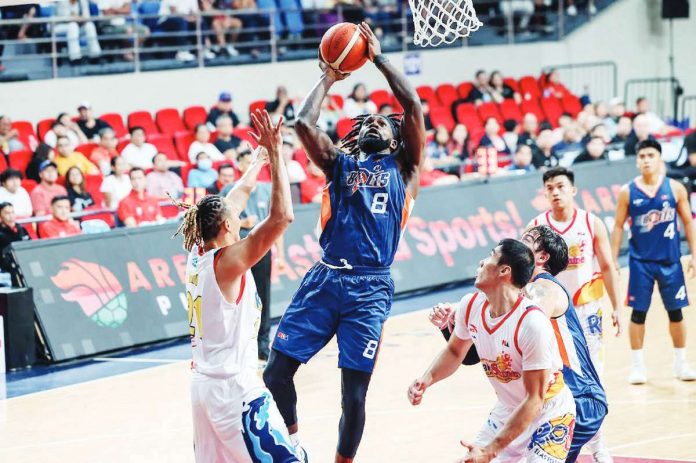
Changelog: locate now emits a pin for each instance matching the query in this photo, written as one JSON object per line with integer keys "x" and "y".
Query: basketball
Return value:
{"x": 343, "y": 47}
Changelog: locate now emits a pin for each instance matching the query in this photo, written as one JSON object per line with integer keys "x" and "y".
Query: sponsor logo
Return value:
{"x": 654, "y": 217}
{"x": 282, "y": 336}
{"x": 363, "y": 178}
{"x": 500, "y": 368}
{"x": 576, "y": 254}
{"x": 551, "y": 441}
{"x": 505, "y": 343}
{"x": 638, "y": 201}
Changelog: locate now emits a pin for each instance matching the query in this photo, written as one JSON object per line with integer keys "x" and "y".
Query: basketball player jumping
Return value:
{"x": 535, "y": 413}
{"x": 651, "y": 203}
{"x": 550, "y": 258}
{"x": 234, "y": 417}
{"x": 373, "y": 182}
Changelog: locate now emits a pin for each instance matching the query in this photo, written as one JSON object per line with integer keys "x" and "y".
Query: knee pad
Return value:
{"x": 638, "y": 317}
{"x": 675, "y": 316}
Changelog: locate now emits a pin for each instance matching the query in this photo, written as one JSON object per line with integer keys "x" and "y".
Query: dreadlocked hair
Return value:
{"x": 349, "y": 143}
{"x": 201, "y": 221}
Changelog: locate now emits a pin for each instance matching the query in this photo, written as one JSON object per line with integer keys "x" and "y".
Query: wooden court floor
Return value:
{"x": 145, "y": 416}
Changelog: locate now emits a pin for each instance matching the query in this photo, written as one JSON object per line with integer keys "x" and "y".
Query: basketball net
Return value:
{"x": 442, "y": 21}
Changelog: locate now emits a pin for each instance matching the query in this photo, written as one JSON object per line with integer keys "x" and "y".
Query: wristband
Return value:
{"x": 380, "y": 60}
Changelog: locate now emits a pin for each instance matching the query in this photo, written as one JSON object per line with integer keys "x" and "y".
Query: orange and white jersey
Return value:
{"x": 521, "y": 340}
{"x": 581, "y": 279}
{"x": 223, "y": 333}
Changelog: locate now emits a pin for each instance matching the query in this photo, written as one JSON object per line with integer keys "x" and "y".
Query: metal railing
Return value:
{"x": 662, "y": 92}
{"x": 688, "y": 110}
{"x": 598, "y": 79}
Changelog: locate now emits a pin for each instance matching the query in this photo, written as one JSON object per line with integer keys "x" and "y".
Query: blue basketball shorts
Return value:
{"x": 670, "y": 280}
{"x": 352, "y": 304}
{"x": 589, "y": 415}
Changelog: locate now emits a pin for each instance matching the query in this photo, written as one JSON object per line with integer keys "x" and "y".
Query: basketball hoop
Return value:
{"x": 442, "y": 21}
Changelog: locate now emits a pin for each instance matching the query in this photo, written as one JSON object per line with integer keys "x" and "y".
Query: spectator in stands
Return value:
{"x": 617, "y": 109}
{"x": 138, "y": 153}
{"x": 225, "y": 177}
{"x": 623, "y": 131}
{"x": 14, "y": 193}
{"x": 552, "y": 85}
{"x": 685, "y": 165}
{"x": 312, "y": 189}
{"x": 641, "y": 131}
{"x": 481, "y": 92}
{"x": 227, "y": 142}
{"x": 510, "y": 134}
{"x": 296, "y": 173}
{"x": 571, "y": 141}
{"x": 16, "y": 31}
{"x": 44, "y": 192}
{"x": 565, "y": 121}
{"x": 102, "y": 155}
{"x": 10, "y": 232}
{"x": 42, "y": 153}
{"x": 61, "y": 224}
{"x": 223, "y": 107}
{"x": 120, "y": 26}
{"x": 202, "y": 145}
{"x": 67, "y": 157}
{"x": 602, "y": 112}
{"x": 491, "y": 137}
{"x": 118, "y": 185}
{"x": 595, "y": 150}
{"x": 359, "y": 102}
{"x": 80, "y": 198}
{"x": 599, "y": 130}
{"x": 162, "y": 180}
{"x": 386, "y": 109}
{"x": 64, "y": 126}
{"x": 500, "y": 91}
{"x": 522, "y": 160}
{"x": 430, "y": 176}
{"x": 9, "y": 137}
{"x": 90, "y": 125}
{"x": 657, "y": 125}
{"x": 530, "y": 127}
{"x": 179, "y": 17}
{"x": 203, "y": 175}
{"x": 524, "y": 9}
{"x": 223, "y": 26}
{"x": 71, "y": 10}
{"x": 281, "y": 106}
{"x": 544, "y": 156}
{"x": 139, "y": 208}
{"x": 437, "y": 150}
{"x": 459, "y": 143}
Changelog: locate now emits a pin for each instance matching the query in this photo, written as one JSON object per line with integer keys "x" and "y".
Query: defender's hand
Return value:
{"x": 269, "y": 136}
{"x": 416, "y": 391}
{"x": 373, "y": 46}
{"x": 442, "y": 316}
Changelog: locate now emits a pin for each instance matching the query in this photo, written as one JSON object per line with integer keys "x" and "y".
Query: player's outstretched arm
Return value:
{"x": 619, "y": 221}
{"x": 412, "y": 125}
{"x": 319, "y": 147}
{"x": 610, "y": 274}
{"x": 684, "y": 211}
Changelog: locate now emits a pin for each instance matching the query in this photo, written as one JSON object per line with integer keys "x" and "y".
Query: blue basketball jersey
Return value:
{"x": 653, "y": 221}
{"x": 364, "y": 210}
{"x": 579, "y": 372}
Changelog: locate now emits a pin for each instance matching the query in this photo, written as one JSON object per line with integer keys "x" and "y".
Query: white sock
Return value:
{"x": 295, "y": 439}
{"x": 637, "y": 355}
{"x": 680, "y": 355}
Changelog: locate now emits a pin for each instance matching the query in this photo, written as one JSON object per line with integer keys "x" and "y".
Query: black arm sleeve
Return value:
{"x": 472, "y": 357}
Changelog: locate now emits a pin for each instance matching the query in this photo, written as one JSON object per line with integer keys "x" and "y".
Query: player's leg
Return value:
{"x": 589, "y": 415}
{"x": 640, "y": 288}
{"x": 552, "y": 437}
{"x": 279, "y": 378}
{"x": 590, "y": 316}
{"x": 262, "y": 278}
{"x": 205, "y": 443}
{"x": 354, "y": 385}
{"x": 673, "y": 292}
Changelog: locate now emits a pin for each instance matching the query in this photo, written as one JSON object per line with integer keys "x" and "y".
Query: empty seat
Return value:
{"x": 426, "y": 92}
{"x": 510, "y": 110}
{"x": 20, "y": 160}
{"x": 490, "y": 109}
{"x": 532, "y": 106}
{"x": 467, "y": 115}
{"x": 446, "y": 94}
{"x": 529, "y": 87}
{"x": 143, "y": 119}
{"x": 464, "y": 89}
{"x": 552, "y": 109}
{"x": 169, "y": 121}
{"x": 182, "y": 141}
{"x": 337, "y": 100}
{"x": 512, "y": 83}
{"x": 381, "y": 97}
{"x": 44, "y": 126}
{"x": 164, "y": 144}
{"x": 571, "y": 104}
{"x": 116, "y": 122}
{"x": 440, "y": 115}
{"x": 343, "y": 126}
{"x": 257, "y": 104}
{"x": 194, "y": 115}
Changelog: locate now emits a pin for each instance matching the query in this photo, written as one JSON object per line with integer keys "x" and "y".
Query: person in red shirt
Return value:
{"x": 553, "y": 86}
{"x": 48, "y": 189}
{"x": 138, "y": 207}
{"x": 312, "y": 188}
{"x": 61, "y": 225}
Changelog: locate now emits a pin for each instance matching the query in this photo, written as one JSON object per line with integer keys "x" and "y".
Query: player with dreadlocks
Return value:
{"x": 373, "y": 179}
{"x": 234, "y": 417}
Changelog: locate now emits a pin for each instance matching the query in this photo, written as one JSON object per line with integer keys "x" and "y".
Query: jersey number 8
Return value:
{"x": 379, "y": 203}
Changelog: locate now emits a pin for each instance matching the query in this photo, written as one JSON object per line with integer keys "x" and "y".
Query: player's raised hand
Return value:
{"x": 333, "y": 74}
{"x": 267, "y": 135}
{"x": 373, "y": 46}
{"x": 416, "y": 391}
{"x": 442, "y": 316}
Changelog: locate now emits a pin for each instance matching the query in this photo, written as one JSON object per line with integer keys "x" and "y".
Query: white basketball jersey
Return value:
{"x": 223, "y": 333}
{"x": 580, "y": 278}
{"x": 521, "y": 340}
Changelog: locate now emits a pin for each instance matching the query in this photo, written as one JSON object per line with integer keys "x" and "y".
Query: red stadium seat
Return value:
{"x": 441, "y": 115}
{"x": 169, "y": 211}
{"x": 381, "y": 97}
{"x": 301, "y": 157}
{"x": 532, "y": 106}
{"x": 553, "y": 110}
{"x": 164, "y": 145}
{"x": 512, "y": 83}
{"x": 86, "y": 148}
{"x": 28, "y": 184}
{"x": 169, "y": 121}
{"x": 31, "y": 229}
{"x": 343, "y": 126}
{"x": 143, "y": 119}
{"x": 44, "y": 126}
{"x": 182, "y": 141}
{"x": 258, "y": 104}
{"x": 487, "y": 110}
{"x": 93, "y": 186}
{"x": 571, "y": 104}
{"x": 194, "y": 115}
{"x": 337, "y": 100}
{"x": 184, "y": 173}
{"x": 243, "y": 133}
{"x": 446, "y": 94}
{"x": 510, "y": 110}
{"x": 529, "y": 87}
{"x": 20, "y": 160}
{"x": 426, "y": 92}
{"x": 464, "y": 89}
{"x": 467, "y": 115}
{"x": 116, "y": 122}
{"x": 396, "y": 105}
{"x": 3, "y": 162}
{"x": 27, "y": 135}
{"x": 107, "y": 217}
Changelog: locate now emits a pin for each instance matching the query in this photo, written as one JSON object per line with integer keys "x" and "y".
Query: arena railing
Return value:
{"x": 598, "y": 79}
{"x": 273, "y": 37}
{"x": 688, "y": 110}
{"x": 663, "y": 93}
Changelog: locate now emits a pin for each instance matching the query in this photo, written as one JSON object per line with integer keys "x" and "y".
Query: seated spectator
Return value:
{"x": 459, "y": 143}
{"x": 139, "y": 208}
{"x": 430, "y": 176}
{"x": 10, "y": 232}
{"x": 281, "y": 106}
{"x": 617, "y": 109}
{"x": 90, "y": 125}
{"x": 227, "y": 143}
{"x": 80, "y": 198}
{"x": 14, "y": 193}
{"x": 544, "y": 156}
{"x": 162, "y": 180}
{"x": 202, "y": 145}
{"x": 524, "y": 9}
{"x": 500, "y": 91}
{"x": 602, "y": 112}
{"x": 641, "y": 131}
{"x": 47, "y": 189}
{"x": 565, "y": 121}
{"x": 552, "y": 85}
{"x": 42, "y": 153}
{"x": 358, "y": 102}
{"x": 595, "y": 150}
{"x": 491, "y": 137}
{"x": 522, "y": 160}
{"x": 599, "y": 130}
{"x": 102, "y": 155}
{"x": 69, "y": 9}
{"x": 21, "y": 31}
{"x": 67, "y": 157}
{"x": 61, "y": 224}
{"x": 437, "y": 150}
{"x": 623, "y": 131}
{"x": 296, "y": 173}
{"x": 116, "y": 186}
{"x": 64, "y": 126}
{"x": 657, "y": 125}
{"x": 138, "y": 153}
{"x": 510, "y": 135}
{"x": 312, "y": 189}
{"x": 203, "y": 175}
{"x": 481, "y": 92}
{"x": 178, "y": 17}
{"x": 9, "y": 137}
{"x": 225, "y": 177}
{"x": 530, "y": 128}
{"x": 571, "y": 141}
{"x": 121, "y": 26}
{"x": 223, "y": 26}
{"x": 223, "y": 107}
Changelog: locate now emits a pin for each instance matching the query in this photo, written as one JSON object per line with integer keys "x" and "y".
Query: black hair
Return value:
{"x": 135, "y": 169}
{"x": 355, "y": 88}
{"x": 222, "y": 167}
{"x": 547, "y": 240}
{"x": 510, "y": 125}
{"x": 640, "y": 99}
{"x": 479, "y": 72}
{"x": 10, "y": 173}
{"x": 387, "y": 105}
{"x": 545, "y": 125}
{"x": 113, "y": 160}
{"x": 349, "y": 143}
{"x": 520, "y": 258}
{"x": 243, "y": 154}
{"x": 649, "y": 143}
{"x": 5, "y": 204}
{"x": 131, "y": 130}
{"x": 61, "y": 136}
{"x": 557, "y": 172}
{"x": 159, "y": 153}
{"x": 201, "y": 153}
{"x": 59, "y": 198}
{"x": 106, "y": 130}
{"x": 198, "y": 126}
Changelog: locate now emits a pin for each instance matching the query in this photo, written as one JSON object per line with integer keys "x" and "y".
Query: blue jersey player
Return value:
{"x": 373, "y": 178}
{"x": 651, "y": 203}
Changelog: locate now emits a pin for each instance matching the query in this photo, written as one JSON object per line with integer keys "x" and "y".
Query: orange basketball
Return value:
{"x": 343, "y": 47}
